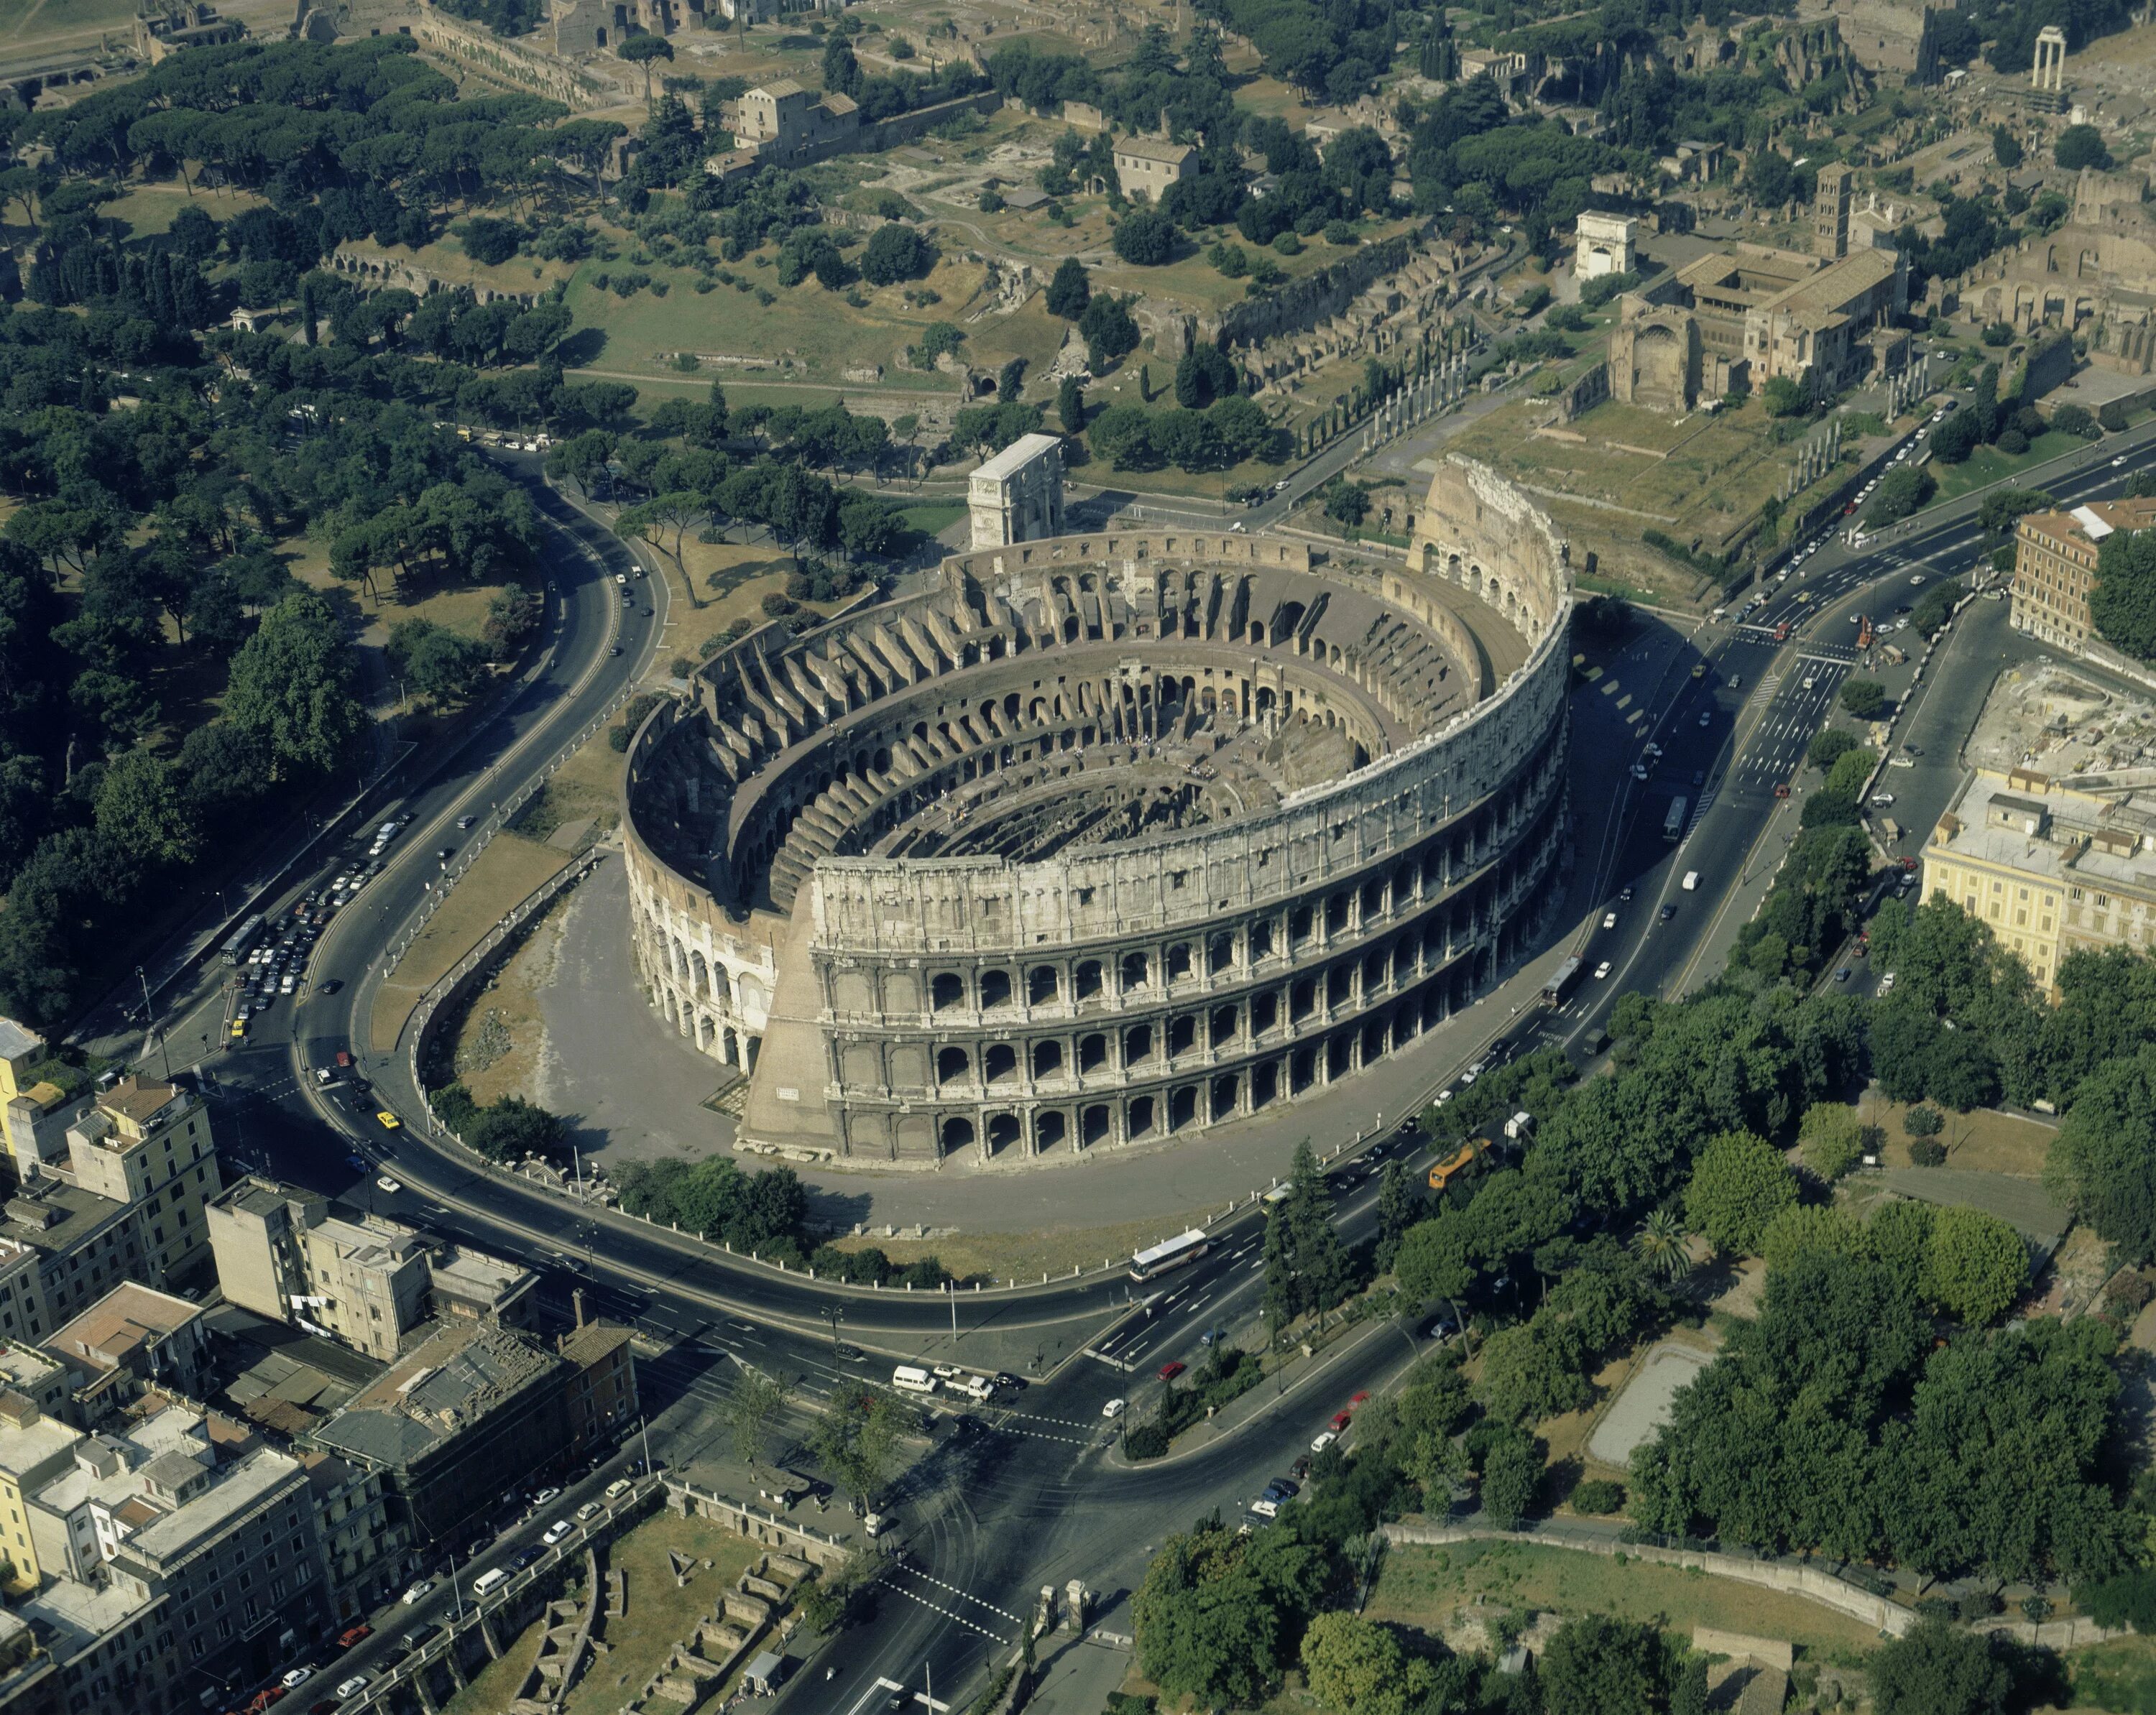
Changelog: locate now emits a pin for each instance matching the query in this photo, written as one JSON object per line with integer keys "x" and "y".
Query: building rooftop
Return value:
{"x": 245, "y": 1485}
{"x": 54, "y": 1215}
{"x": 2093, "y": 522}
{"x": 254, "y": 1196}
{"x": 1154, "y": 149}
{"x": 2091, "y": 842}
{"x": 585, "y": 1346}
{"x": 450, "y": 1382}
{"x": 16, "y": 1040}
{"x": 1818, "y": 298}
{"x": 69, "y": 1617}
{"x": 473, "y": 1277}
{"x": 24, "y": 1446}
{"x": 1020, "y": 454}
{"x": 26, "y": 1367}
{"x": 780, "y": 91}
{"x": 120, "y": 1323}
{"x": 140, "y": 1104}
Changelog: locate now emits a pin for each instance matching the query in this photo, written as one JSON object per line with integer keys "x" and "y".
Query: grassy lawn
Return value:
{"x": 25, "y": 21}
{"x": 1988, "y": 465}
{"x": 1983, "y": 1141}
{"x": 509, "y": 867}
{"x": 149, "y": 210}
{"x": 933, "y": 517}
{"x": 658, "y": 1615}
{"x": 1425, "y": 1588}
{"x": 2119, "y": 1675}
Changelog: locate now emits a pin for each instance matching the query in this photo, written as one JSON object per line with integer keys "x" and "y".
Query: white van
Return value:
{"x": 908, "y": 1379}
{"x": 487, "y": 1581}
{"x": 1691, "y": 881}
{"x": 977, "y": 1389}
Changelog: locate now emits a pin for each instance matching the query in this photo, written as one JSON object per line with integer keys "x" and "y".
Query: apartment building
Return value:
{"x": 364, "y": 1562}
{"x": 62, "y": 1248}
{"x": 131, "y": 1340}
{"x": 2050, "y": 870}
{"x": 367, "y": 1282}
{"x": 2055, "y": 566}
{"x": 174, "y": 1553}
{"x": 599, "y": 1398}
{"x": 469, "y": 1412}
{"x": 148, "y": 1145}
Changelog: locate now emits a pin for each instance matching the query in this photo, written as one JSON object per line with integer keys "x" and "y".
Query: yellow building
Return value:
{"x": 2050, "y": 870}
{"x": 34, "y": 1449}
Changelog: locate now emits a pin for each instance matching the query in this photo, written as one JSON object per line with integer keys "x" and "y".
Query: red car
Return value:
{"x": 352, "y": 1635}
{"x": 264, "y": 1698}
{"x": 1340, "y": 1420}
{"x": 1782, "y": 790}
{"x": 1360, "y": 1399}
{"x": 1170, "y": 1371}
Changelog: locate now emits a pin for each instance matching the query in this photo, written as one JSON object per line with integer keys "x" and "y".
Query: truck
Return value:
{"x": 1673, "y": 822}
{"x": 977, "y": 1388}
{"x": 1864, "y": 632}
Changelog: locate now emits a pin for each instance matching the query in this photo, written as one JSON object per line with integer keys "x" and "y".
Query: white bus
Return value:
{"x": 1170, "y": 1253}
{"x": 909, "y": 1380}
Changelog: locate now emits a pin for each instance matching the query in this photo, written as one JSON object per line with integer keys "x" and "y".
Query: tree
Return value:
{"x": 512, "y": 1127}
{"x": 1305, "y": 1264}
{"x": 857, "y": 1441}
{"x": 1216, "y": 1611}
{"x": 1357, "y": 1667}
{"x": 751, "y": 1410}
{"x": 1832, "y": 1139}
{"x": 2080, "y": 146}
{"x": 1010, "y": 379}
{"x": 1738, "y": 1185}
{"x": 1609, "y": 1666}
{"x": 1900, "y": 493}
{"x": 1070, "y": 404}
{"x": 1660, "y": 1243}
{"x": 641, "y": 51}
{"x": 1108, "y": 330}
{"x": 1783, "y": 397}
{"x": 895, "y": 253}
{"x": 1399, "y": 1207}
{"x": 2102, "y": 1165}
{"x": 144, "y": 811}
{"x": 1974, "y": 1267}
{"x": 1863, "y": 697}
{"x": 2006, "y": 147}
{"x": 1146, "y": 239}
{"x": 1069, "y": 291}
{"x": 1829, "y": 745}
{"x": 290, "y": 687}
{"x": 1512, "y": 1476}
{"x": 1533, "y": 1370}
{"x": 2122, "y": 602}
{"x": 1935, "y": 1670}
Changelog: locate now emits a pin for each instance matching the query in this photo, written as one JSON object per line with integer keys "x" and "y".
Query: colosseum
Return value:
{"x": 1106, "y": 840}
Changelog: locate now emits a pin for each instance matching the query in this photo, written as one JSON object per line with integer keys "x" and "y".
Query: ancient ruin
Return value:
{"x": 1105, "y": 840}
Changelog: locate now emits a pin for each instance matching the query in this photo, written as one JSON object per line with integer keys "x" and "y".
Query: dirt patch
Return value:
{"x": 502, "y": 1042}
{"x": 587, "y": 787}
{"x": 1646, "y": 1403}
{"x": 1026, "y": 1255}
{"x": 509, "y": 868}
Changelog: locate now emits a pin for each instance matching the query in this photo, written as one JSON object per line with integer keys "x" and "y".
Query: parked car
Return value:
{"x": 295, "y": 1677}
{"x": 1324, "y": 1440}
{"x": 353, "y": 1687}
{"x": 418, "y": 1590}
{"x": 1171, "y": 1369}
{"x": 1114, "y": 1408}
{"x": 555, "y": 1532}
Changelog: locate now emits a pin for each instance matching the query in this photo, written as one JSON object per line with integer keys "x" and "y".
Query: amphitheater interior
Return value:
{"x": 1110, "y": 839}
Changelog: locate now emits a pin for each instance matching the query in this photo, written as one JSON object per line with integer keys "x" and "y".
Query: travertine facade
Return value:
{"x": 1107, "y": 838}
{"x": 1018, "y": 495}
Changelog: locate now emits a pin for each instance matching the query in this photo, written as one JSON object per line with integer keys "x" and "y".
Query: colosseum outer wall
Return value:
{"x": 1133, "y": 992}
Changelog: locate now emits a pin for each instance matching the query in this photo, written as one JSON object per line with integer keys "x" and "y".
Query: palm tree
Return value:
{"x": 1661, "y": 1245}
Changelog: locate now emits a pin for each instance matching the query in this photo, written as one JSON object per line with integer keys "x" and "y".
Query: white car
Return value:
{"x": 1880, "y": 800}
{"x": 392, "y": 1186}
{"x": 2118, "y": 461}
{"x": 1900, "y": 762}
{"x": 418, "y": 1590}
{"x": 1325, "y": 1439}
{"x": 297, "y": 1677}
{"x": 353, "y": 1687}
{"x": 1810, "y": 680}
{"x": 555, "y": 1532}
{"x": 1915, "y": 580}
{"x": 1602, "y": 970}
{"x": 1610, "y": 920}
{"x": 1887, "y": 984}
{"x": 1443, "y": 1096}
{"x": 618, "y": 1487}
{"x": 1114, "y": 1408}
{"x": 544, "y": 1496}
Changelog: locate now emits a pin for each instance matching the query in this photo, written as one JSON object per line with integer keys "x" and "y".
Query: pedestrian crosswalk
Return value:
{"x": 1765, "y": 693}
